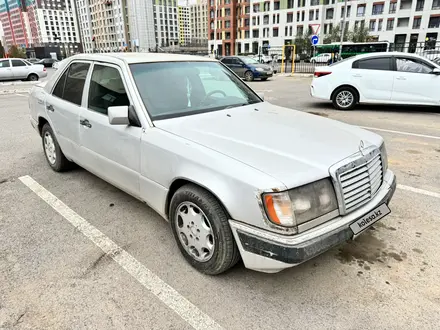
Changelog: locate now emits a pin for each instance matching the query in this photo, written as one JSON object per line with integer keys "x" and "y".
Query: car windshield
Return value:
{"x": 175, "y": 89}
{"x": 249, "y": 60}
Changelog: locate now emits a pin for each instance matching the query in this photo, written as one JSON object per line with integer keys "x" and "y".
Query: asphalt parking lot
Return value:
{"x": 77, "y": 253}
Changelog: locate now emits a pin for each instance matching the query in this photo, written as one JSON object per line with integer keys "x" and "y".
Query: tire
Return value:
{"x": 313, "y": 61}
{"x": 32, "y": 77}
{"x": 248, "y": 76}
{"x": 206, "y": 226}
{"x": 345, "y": 98}
{"x": 59, "y": 163}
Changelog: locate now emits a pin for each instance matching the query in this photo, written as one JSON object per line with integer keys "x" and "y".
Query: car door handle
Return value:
{"x": 50, "y": 108}
{"x": 401, "y": 78}
{"x": 357, "y": 75}
{"x": 85, "y": 122}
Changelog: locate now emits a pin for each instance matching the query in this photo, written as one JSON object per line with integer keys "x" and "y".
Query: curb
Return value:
{"x": 302, "y": 75}
{"x": 13, "y": 83}
{"x": 14, "y": 91}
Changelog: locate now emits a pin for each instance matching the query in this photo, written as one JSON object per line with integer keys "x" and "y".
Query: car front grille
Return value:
{"x": 359, "y": 181}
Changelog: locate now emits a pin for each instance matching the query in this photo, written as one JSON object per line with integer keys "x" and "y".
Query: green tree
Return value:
{"x": 335, "y": 35}
{"x": 303, "y": 43}
{"x": 359, "y": 34}
{"x": 17, "y": 52}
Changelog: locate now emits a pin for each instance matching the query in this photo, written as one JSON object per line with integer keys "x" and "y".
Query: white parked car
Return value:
{"x": 234, "y": 175}
{"x": 321, "y": 58}
{"x": 20, "y": 69}
{"x": 385, "y": 78}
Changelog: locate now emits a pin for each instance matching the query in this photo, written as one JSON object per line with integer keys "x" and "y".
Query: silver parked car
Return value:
{"x": 20, "y": 69}
{"x": 234, "y": 175}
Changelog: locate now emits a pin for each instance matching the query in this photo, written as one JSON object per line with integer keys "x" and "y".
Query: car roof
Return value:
{"x": 357, "y": 57}
{"x": 131, "y": 58}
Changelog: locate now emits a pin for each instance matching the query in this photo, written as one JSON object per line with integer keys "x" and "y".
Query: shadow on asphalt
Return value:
{"x": 383, "y": 108}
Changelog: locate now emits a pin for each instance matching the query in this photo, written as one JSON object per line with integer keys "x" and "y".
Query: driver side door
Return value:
{"x": 238, "y": 66}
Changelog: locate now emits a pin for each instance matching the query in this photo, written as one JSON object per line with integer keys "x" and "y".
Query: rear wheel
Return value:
{"x": 32, "y": 77}
{"x": 54, "y": 156}
{"x": 248, "y": 76}
{"x": 201, "y": 229}
{"x": 345, "y": 98}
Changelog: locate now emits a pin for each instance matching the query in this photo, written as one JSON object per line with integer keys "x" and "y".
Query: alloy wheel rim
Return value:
{"x": 49, "y": 148}
{"x": 195, "y": 231}
{"x": 344, "y": 99}
{"x": 248, "y": 76}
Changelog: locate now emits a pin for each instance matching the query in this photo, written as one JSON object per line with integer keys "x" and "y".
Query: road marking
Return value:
{"x": 169, "y": 296}
{"x": 419, "y": 191}
{"x": 20, "y": 94}
{"x": 404, "y": 133}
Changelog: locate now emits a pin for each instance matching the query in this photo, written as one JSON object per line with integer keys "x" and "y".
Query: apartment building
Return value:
{"x": 278, "y": 22}
{"x": 184, "y": 25}
{"x": 42, "y": 27}
{"x": 166, "y": 23}
{"x": 141, "y": 22}
{"x": 104, "y": 25}
{"x": 199, "y": 22}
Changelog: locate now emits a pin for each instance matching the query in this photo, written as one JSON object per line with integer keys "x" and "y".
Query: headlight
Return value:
{"x": 301, "y": 204}
{"x": 259, "y": 69}
{"x": 384, "y": 155}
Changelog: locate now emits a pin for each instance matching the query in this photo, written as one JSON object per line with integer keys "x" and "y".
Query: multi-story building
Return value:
{"x": 104, "y": 25}
{"x": 141, "y": 22}
{"x": 41, "y": 26}
{"x": 184, "y": 25}
{"x": 166, "y": 23}
{"x": 279, "y": 22}
{"x": 199, "y": 22}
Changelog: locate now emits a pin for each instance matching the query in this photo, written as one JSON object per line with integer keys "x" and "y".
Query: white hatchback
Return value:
{"x": 382, "y": 78}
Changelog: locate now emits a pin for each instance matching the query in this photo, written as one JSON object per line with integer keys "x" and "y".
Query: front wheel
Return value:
{"x": 345, "y": 98}
{"x": 32, "y": 77}
{"x": 201, "y": 229}
{"x": 248, "y": 76}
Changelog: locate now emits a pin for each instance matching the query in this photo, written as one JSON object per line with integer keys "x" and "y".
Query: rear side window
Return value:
{"x": 16, "y": 63}
{"x": 227, "y": 60}
{"x": 412, "y": 65}
{"x": 71, "y": 84}
{"x": 379, "y": 63}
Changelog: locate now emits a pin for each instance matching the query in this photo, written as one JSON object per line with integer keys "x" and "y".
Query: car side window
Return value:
{"x": 412, "y": 65}
{"x": 106, "y": 89}
{"x": 237, "y": 61}
{"x": 379, "y": 63}
{"x": 227, "y": 61}
{"x": 4, "y": 64}
{"x": 16, "y": 63}
{"x": 71, "y": 84}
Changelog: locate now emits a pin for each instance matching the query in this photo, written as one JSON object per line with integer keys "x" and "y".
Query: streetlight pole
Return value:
{"x": 215, "y": 28}
{"x": 343, "y": 27}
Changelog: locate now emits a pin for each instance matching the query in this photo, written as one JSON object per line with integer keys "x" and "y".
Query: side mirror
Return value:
{"x": 118, "y": 115}
{"x": 261, "y": 95}
{"x": 436, "y": 71}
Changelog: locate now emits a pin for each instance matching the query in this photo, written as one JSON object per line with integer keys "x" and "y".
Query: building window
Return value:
{"x": 314, "y": 2}
{"x": 436, "y": 4}
{"x": 227, "y": 12}
{"x": 403, "y": 22}
{"x": 379, "y": 26}
{"x": 390, "y": 24}
{"x": 329, "y": 13}
{"x": 289, "y": 17}
{"x": 420, "y": 5}
{"x": 275, "y": 32}
{"x": 416, "y": 22}
{"x": 299, "y": 30}
{"x": 311, "y": 15}
{"x": 255, "y": 33}
{"x": 266, "y": 6}
{"x": 317, "y": 14}
{"x": 276, "y": 5}
{"x": 290, "y": 4}
{"x": 256, "y": 8}
{"x": 372, "y": 26}
{"x": 246, "y": 34}
{"x": 266, "y": 19}
{"x": 434, "y": 22}
{"x": 227, "y": 24}
{"x": 360, "y": 11}
{"x": 377, "y": 9}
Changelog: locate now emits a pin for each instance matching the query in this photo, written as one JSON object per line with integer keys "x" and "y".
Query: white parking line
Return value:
{"x": 404, "y": 133}
{"x": 419, "y": 191}
{"x": 170, "y": 297}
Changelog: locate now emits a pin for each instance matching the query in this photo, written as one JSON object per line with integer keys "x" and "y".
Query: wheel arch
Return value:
{"x": 180, "y": 182}
{"x": 345, "y": 85}
{"x": 41, "y": 122}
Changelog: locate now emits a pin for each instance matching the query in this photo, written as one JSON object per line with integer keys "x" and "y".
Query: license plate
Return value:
{"x": 367, "y": 220}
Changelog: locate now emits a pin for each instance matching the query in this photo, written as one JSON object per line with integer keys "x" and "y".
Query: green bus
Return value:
{"x": 354, "y": 48}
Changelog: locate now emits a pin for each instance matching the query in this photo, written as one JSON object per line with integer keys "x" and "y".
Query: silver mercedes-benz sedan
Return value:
{"x": 234, "y": 175}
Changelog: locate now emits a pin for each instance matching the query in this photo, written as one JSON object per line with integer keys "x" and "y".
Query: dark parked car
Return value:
{"x": 33, "y": 60}
{"x": 247, "y": 67}
{"x": 47, "y": 62}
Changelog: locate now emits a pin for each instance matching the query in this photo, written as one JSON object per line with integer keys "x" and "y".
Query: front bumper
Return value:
{"x": 270, "y": 252}
{"x": 263, "y": 74}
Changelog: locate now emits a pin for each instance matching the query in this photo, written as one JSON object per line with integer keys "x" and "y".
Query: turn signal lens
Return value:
{"x": 279, "y": 209}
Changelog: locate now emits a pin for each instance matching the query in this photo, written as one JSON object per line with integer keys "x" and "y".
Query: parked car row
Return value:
{"x": 247, "y": 68}
{"x": 381, "y": 78}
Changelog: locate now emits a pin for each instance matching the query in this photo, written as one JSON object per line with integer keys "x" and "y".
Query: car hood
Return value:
{"x": 291, "y": 146}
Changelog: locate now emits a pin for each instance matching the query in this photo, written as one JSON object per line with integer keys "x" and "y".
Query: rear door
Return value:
{"x": 63, "y": 107}
{"x": 19, "y": 69}
{"x": 414, "y": 83}
{"x": 113, "y": 150}
{"x": 374, "y": 77}
{"x": 5, "y": 70}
